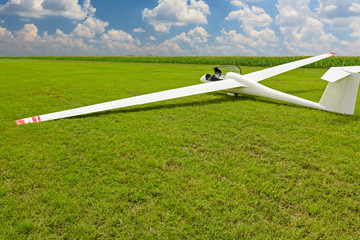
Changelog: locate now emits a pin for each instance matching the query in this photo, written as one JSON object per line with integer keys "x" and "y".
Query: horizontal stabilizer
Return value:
{"x": 137, "y": 100}
{"x": 336, "y": 73}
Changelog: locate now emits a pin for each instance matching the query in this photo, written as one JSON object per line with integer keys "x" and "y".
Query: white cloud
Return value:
{"x": 266, "y": 34}
{"x": 355, "y": 7}
{"x": 118, "y": 35}
{"x": 90, "y": 27}
{"x": 304, "y": 30}
{"x": 355, "y": 25}
{"x": 338, "y": 8}
{"x": 182, "y": 37}
{"x": 255, "y": 34}
{"x": 5, "y": 34}
{"x": 311, "y": 31}
{"x": 151, "y": 38}
{"x": 339, "y": 14}
{"x": 241, "y": 3}
{"x": 190, "y": 43}
{"x": 40, "y": 8}
{"x": 250, "y": 16}
{"x": 170, "y": 13}
{"x": 26, "y": 41}
{"x": 310, "y": 37}
{"x": 292, "y": 13}
{"x": 28, "y": 33}
{"x": 118, "y": 40}
{"x": 139, "y": 30}
{"x": 238, "y": 3}
{"x": 198, "y": 35}
{"x": 233, "y": 38}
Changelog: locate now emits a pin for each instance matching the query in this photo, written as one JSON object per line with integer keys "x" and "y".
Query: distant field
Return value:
{"x": 202, "y": 167}
{"x": 237, "y": 61}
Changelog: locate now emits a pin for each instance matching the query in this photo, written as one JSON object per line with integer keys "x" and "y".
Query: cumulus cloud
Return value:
{"x": 355, "y": 7}
{"x": 88, "y": 38}
{"x": 90, "y": 27}
{"x": 198, "y": 35}
{"x": 238, "y": 3}
{"x": 170, "y": 13}
{"x": 28, "y": 34}
{"x": 302, "y": 30}
{"x": 27, "y": 41}
{"x": 139, "y": 30}
{"x": 151, "y": 38}
{"x": 292, "y": 13}
{"x": 118, "y": 35}
{"x": 241, "y": 3}
{"x": 250, "y": 16}
{"x": 255, "y": 35}
{"x": 40, "y": 8}
{"x": 311, "y": 32}
{"x": 266, "y": 34}
{"x": 189, "y": 43}
{"x": 356, "y": 27}
{"x": 339, "y": 14}
{"x": 236, "y": 39}
{"x": 5, "y": 34}
{"x": 119, "y": 41}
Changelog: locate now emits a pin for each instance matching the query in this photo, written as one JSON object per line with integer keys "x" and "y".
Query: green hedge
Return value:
{"x": 238, "y": 61}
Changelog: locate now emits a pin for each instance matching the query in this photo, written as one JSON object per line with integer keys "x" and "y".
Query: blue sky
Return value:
{"x": 179, "y": 27}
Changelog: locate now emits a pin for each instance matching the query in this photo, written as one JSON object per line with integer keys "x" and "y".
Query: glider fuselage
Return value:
{"x": 256, "y": 89}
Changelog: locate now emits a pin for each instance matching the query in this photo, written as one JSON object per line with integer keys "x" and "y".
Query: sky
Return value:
{"x": 179, "y": 27}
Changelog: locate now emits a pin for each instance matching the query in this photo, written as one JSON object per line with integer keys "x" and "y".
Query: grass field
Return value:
{"x": 202, "y": 167}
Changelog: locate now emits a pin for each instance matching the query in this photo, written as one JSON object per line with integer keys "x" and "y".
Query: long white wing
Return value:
{"x": 273, "y": 71}
{"x": 148, "y": 98}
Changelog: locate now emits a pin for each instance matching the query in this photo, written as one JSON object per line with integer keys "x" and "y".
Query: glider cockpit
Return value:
{"x": 219, "y": 73}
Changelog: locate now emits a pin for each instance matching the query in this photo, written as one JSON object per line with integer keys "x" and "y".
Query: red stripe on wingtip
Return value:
{"x": 332, "y": 54}
{"x": 21, "y": 121}
{"x": 38, "y": 118}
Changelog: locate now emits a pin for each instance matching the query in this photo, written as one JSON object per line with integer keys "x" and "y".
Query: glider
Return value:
{"x": 339, "y": 95}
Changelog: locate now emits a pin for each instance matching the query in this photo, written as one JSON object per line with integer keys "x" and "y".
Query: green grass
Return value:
{"x": 237, "y": 61}
{"x": 201, "y": 167}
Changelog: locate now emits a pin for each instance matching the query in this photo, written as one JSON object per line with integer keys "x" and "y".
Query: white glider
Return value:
{"x": 339, "y": 95}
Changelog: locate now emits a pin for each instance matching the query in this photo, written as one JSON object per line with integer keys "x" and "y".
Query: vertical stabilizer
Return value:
{"x": 341, "y": 92}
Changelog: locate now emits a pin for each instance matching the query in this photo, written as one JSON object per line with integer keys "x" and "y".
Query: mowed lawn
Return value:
{"x": 202, "y": 167}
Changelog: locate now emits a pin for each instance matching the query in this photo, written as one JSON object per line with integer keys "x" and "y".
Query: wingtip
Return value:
{"x": 19, "y": 122}
{"x": 28, "y": 120}
{"x": 332, "y": 54}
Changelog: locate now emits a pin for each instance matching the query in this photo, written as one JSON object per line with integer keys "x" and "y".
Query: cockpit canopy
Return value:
{"x": 221, "y": 71}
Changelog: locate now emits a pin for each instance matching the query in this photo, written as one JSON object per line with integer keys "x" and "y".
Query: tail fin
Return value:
{"x": 341, "y": 92}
